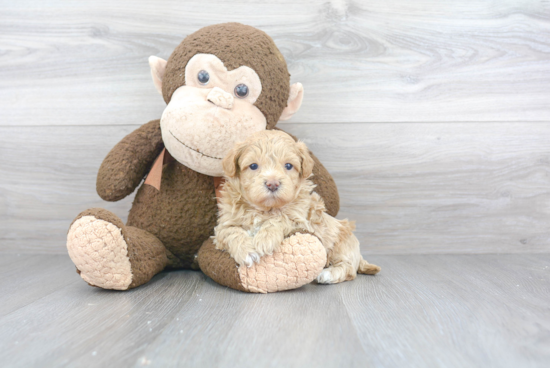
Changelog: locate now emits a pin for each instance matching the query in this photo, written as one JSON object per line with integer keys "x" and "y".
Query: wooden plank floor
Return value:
{"x": 421, "y": 311}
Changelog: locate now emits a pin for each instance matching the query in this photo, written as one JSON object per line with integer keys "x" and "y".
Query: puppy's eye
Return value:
{"x": 289, "y": 166}
{"x": 253, "y": 166}
{"x": 241, "y": 90}
{"x": 203, "y": 77}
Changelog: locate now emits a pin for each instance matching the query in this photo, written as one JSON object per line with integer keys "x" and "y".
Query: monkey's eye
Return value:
{"x": 253, "y": 166}
{"x": 203, "y": 77}
{"x": 289, "y": 166}
{"x": 241, "y": 90}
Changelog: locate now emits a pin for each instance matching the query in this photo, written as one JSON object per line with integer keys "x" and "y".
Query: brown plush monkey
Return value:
{"x": 221, "y": 84}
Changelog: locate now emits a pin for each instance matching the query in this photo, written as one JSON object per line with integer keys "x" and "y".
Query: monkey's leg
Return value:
{"x": 296, "y": 262}
{"x": 110, "y": 255}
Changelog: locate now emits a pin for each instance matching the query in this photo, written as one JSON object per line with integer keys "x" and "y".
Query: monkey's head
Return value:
{"x": 222, "y": 84}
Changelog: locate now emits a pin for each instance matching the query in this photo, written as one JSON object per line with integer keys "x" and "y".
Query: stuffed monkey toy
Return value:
{"x": 221, "y": 84}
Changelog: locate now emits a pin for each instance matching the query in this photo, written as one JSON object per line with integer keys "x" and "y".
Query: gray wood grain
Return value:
{"x": 432, "y": 188}
{"x": 432, "y": 116}
{"x": 27, "y": 278}
{"x": 412, "y": 188}
{"x": 375, "y": 61}
{"x": 466, "y": 311}
{"x": 420, "y": 311}
{"x": 48, "y": 177}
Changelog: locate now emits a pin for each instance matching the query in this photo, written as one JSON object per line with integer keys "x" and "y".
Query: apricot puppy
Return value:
{"x": 267, "y": 196}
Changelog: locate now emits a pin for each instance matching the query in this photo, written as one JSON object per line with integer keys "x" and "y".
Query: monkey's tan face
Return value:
{"x": 213, "y": 111}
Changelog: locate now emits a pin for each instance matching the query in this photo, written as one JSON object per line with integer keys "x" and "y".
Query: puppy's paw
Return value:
{"x": 335, "y": 274}
{"x": 266, "y": 243}
{"x": 252, "y": 258}
{"x": 325, "y": 277}
{"x": 246, "y": 258}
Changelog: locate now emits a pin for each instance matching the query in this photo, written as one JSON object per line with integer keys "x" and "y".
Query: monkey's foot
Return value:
{"x": 109, "y": 255}
{"x": 298, "y": 261}
{"x": 99, "y": 251}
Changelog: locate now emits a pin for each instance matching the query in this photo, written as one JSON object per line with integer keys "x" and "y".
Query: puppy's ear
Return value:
{"x": 307, "y": 161}
{"x": 230, "y": 162}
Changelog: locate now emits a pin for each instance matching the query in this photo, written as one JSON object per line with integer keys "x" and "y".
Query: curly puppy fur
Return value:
{"x": 267, "y": 195}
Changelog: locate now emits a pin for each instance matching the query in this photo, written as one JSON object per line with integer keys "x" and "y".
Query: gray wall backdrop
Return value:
{"x": 433, "y": 117}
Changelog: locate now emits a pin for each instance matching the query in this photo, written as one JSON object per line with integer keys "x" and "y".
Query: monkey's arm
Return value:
{"x": 326, "y": 187}
{"x": 129, "y": 161}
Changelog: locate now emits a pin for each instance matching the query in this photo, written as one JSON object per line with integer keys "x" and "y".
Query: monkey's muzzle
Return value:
{"x": 220, "y": 98}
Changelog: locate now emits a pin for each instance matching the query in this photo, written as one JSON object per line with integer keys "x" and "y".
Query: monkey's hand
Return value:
{"x": 236, "y": 241}
{"x": 129, "y": 161}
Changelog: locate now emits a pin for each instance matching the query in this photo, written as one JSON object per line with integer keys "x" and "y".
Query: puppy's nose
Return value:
{"x": 272, "y": 185}
{"x": 220, "y": 98}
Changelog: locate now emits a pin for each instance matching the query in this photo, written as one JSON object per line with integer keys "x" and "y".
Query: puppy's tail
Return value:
{"x": 367, "y": 268}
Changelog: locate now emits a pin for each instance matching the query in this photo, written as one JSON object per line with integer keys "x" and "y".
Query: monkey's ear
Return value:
{"x": 307, "y": 161}
{"x": 295, "y": 98}
{"x": 231, "y": 161}
{"x": 158, "y": 67}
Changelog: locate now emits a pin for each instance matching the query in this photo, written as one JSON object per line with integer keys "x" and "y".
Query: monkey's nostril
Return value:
{"x": 272, "y": 185}
{"x": 220, "y": 98}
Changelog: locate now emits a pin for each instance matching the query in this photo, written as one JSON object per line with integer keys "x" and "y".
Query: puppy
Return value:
{"x": 267, "y": 196}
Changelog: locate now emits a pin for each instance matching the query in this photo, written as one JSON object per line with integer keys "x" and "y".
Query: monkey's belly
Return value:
{"x": 182, "y": 214}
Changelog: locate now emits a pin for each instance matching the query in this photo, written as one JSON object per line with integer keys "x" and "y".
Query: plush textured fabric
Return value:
{"x": 128, "y": 162}
{"x": 110, "y": 255}
{"x": 236, "y": 45}
{"x": 326, "y": 187}
{"x": 147, "y": 255}
{"x": 198, "y": 133}
{"x": 298, "y": 261}
{"x": 101, "y": 214}
{"x": 182, "y": 215}
{"x": 219, "y": 266}
{"x": 166, "y": 228}
{"x": 99, "y": 252}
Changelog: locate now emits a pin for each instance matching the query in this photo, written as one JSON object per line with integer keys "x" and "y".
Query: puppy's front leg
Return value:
{"x": 269, "y": 237}
{"x": 238, "y": 243}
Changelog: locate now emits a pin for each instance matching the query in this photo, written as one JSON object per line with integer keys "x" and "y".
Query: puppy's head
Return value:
{"x": 270, "y": 166}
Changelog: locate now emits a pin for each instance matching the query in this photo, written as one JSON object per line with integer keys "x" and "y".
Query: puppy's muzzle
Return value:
{"x": 272, "y": 185}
